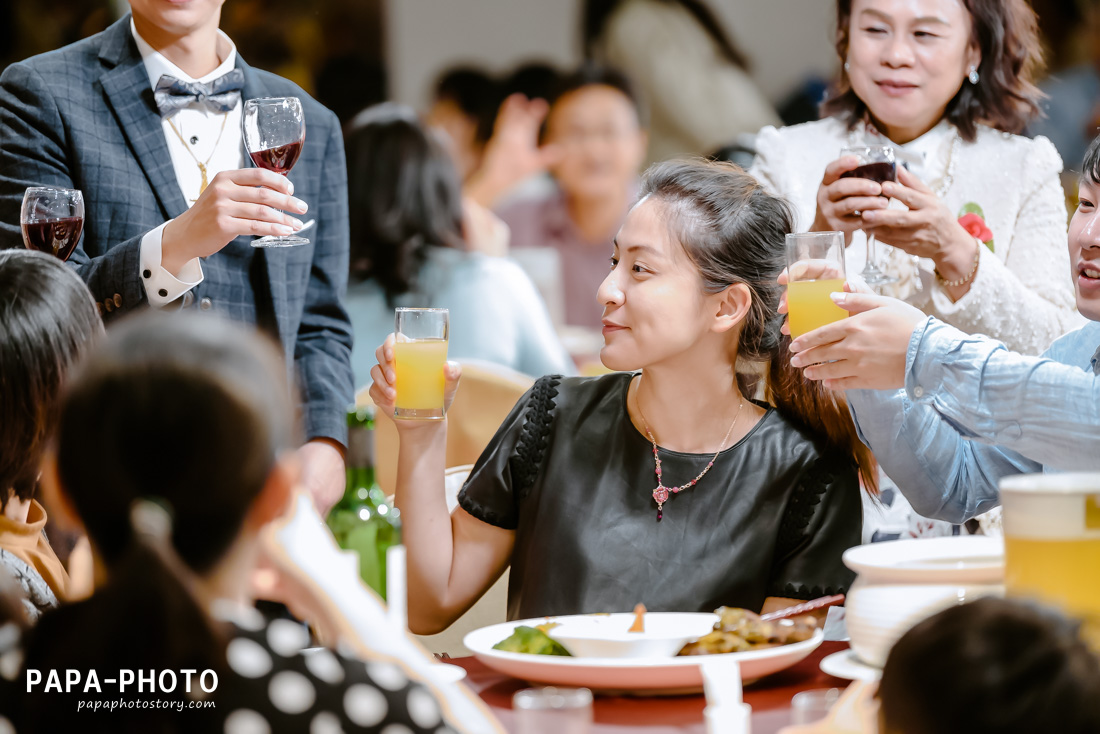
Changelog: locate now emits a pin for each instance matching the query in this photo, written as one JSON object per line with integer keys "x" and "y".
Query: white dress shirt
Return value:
{"x": 202, "y": 131}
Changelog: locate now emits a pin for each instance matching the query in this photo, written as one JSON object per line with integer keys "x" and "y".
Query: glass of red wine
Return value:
{"x": 876, "y": 163}
{"x": 52, "y": 220}
{"x": 274, "y": 131}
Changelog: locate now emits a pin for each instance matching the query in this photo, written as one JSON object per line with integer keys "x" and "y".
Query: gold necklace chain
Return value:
{"x": 661, "y": 493}
{"x": 202, "y": 165}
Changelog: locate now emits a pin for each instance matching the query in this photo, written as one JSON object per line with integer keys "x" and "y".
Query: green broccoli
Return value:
{"x": 531, "y": 641}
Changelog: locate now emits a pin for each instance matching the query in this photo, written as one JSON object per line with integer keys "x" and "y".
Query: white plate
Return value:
{"x": 649, "y": 676}
{"x": 845, "y": 664}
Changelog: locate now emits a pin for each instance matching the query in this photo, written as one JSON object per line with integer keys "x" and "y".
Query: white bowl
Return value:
{"x": 607, "y": 635}
{"x": 903, "y": 582}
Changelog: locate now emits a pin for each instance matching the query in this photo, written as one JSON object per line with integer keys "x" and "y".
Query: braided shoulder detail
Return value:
{"x": 526, "y": 460}
{"x": 802, "y": 505}
{"x": 801, "y": 591}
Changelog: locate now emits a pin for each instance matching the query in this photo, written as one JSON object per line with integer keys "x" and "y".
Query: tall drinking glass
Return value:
{"x": 274, "y": 130}
{"x": 876, "y": 163}
{"x": 553, "y": 710}
{"x": 1052, "y": 543}
{"x": 52, "y": 220}
{"x": 815, "y": 268}
{"x": 419, "y": 352}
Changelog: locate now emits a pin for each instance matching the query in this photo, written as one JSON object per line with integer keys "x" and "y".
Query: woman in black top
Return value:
{"x": 749, "y": 503}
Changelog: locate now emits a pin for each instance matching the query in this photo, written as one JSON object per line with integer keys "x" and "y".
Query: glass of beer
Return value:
{"x": 419, "y": 353}
{"x": 1052, "y": 543}
{"x": 815, "y": 268}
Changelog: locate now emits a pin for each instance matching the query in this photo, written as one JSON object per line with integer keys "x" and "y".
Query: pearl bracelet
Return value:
{"x": 969, "y": 276}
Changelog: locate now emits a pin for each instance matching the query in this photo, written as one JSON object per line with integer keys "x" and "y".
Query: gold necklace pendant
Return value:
{"x": 204, "y": 182}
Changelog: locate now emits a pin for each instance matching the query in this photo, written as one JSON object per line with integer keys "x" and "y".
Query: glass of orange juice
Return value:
{"x": 815, "y": 268}
{"x": 1052, "y": 543}
{"x": 419, "y": 353}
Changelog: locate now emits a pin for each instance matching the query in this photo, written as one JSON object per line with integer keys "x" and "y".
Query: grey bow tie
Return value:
{"x": 1096, "y": 362}
{"x": 174, "y": 94}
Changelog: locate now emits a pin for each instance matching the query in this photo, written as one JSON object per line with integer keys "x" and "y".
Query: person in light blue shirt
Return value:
{"x": 407, "y": 249}
{"x": 969, "y": 412}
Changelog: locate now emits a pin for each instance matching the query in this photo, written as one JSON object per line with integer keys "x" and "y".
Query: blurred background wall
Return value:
{"x": 426, "y": 36}
{"x": 350, "y": 53}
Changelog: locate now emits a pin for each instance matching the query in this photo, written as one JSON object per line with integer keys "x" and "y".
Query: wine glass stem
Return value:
{"x": 872, "y": 256}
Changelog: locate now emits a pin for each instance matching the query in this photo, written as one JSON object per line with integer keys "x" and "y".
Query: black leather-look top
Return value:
{"x": 570, "y": 473}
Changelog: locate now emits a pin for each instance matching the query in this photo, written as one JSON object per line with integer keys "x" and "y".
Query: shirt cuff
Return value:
{"x": 161, "y": 287}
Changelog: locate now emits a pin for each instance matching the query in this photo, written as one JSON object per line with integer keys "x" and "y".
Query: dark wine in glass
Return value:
{"x": 274, "y": 131}
{"x": 878, "y": 172}
{"x": 876, "y": 163}
{"x": 279, "y": 159}
{"x": 52, "y": 220}
{"x": 56, "y": 237}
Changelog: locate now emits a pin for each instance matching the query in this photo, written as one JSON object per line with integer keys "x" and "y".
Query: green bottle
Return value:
{"x": 363, "y": 520}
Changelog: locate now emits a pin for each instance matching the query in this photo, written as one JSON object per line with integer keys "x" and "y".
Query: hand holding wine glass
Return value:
{"x": 52, "y": 220}
{"x": 876, "y": 164}
{"x": 274, "y": 132}
{"x": 926, "y": 228}
{"x": 247, "y": 201}
{"x": 841, "y": 198}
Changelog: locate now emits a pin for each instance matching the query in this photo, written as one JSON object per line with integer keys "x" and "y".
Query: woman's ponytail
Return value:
{"x": 821, "y": 410}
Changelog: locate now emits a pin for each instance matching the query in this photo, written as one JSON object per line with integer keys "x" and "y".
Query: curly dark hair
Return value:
{"x": 1007, "y": 33}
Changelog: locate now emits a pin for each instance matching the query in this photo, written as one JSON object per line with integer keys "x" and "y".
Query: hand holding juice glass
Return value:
{"x": 419, "y": 354}
{"x": 815, "y": 268}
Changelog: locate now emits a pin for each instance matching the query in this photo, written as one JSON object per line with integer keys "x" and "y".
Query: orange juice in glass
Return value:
{"x": 419, "y": 353}
{"x": 1052, "y": 543}
{"x": 815, "y": 268}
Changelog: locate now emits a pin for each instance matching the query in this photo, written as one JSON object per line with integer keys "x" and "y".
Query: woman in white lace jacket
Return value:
{"x": 924, "y": 77}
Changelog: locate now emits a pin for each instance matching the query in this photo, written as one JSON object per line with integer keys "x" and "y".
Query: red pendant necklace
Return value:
{"x": 661, "y": 493}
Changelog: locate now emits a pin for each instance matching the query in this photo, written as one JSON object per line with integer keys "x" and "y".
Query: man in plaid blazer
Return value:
{"x": 86, "y": 117}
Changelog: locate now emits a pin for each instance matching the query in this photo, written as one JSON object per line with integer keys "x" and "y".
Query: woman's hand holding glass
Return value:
{"x": 928, "y": 229}
{"x": 384, "y": 391}
{"x": 865, "y": 351}
{"x": 840, "y": 201}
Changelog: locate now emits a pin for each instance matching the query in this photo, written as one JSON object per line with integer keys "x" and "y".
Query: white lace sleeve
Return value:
{"x": 1027, "y": 301}
{"x": 768, "y": 164}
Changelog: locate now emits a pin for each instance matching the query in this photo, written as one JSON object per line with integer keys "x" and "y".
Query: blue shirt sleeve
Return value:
{"x": 971, "y": 413}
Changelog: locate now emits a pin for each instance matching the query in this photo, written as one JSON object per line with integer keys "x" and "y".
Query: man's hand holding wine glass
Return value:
{"x": 249, "y": 201}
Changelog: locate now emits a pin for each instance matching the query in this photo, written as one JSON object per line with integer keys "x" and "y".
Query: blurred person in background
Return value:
{"x": 409, "y": 249}
{"x": 593, "y": 144}
{"x": 171, "y": 202}
{"x": 179, "y": 549}
{"x": 694, "y": 80}
{"x": 464, "y": 105}
{"x": 1072, "y": 105}
{"x": 47, "y": 320}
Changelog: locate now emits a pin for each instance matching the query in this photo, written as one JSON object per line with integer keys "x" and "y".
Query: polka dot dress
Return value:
{"x": 276, "y": 686}
{"x": 272, "y": 685}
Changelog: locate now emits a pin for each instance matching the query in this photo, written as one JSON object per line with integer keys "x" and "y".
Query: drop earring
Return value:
{"x": 973, "y": 75}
